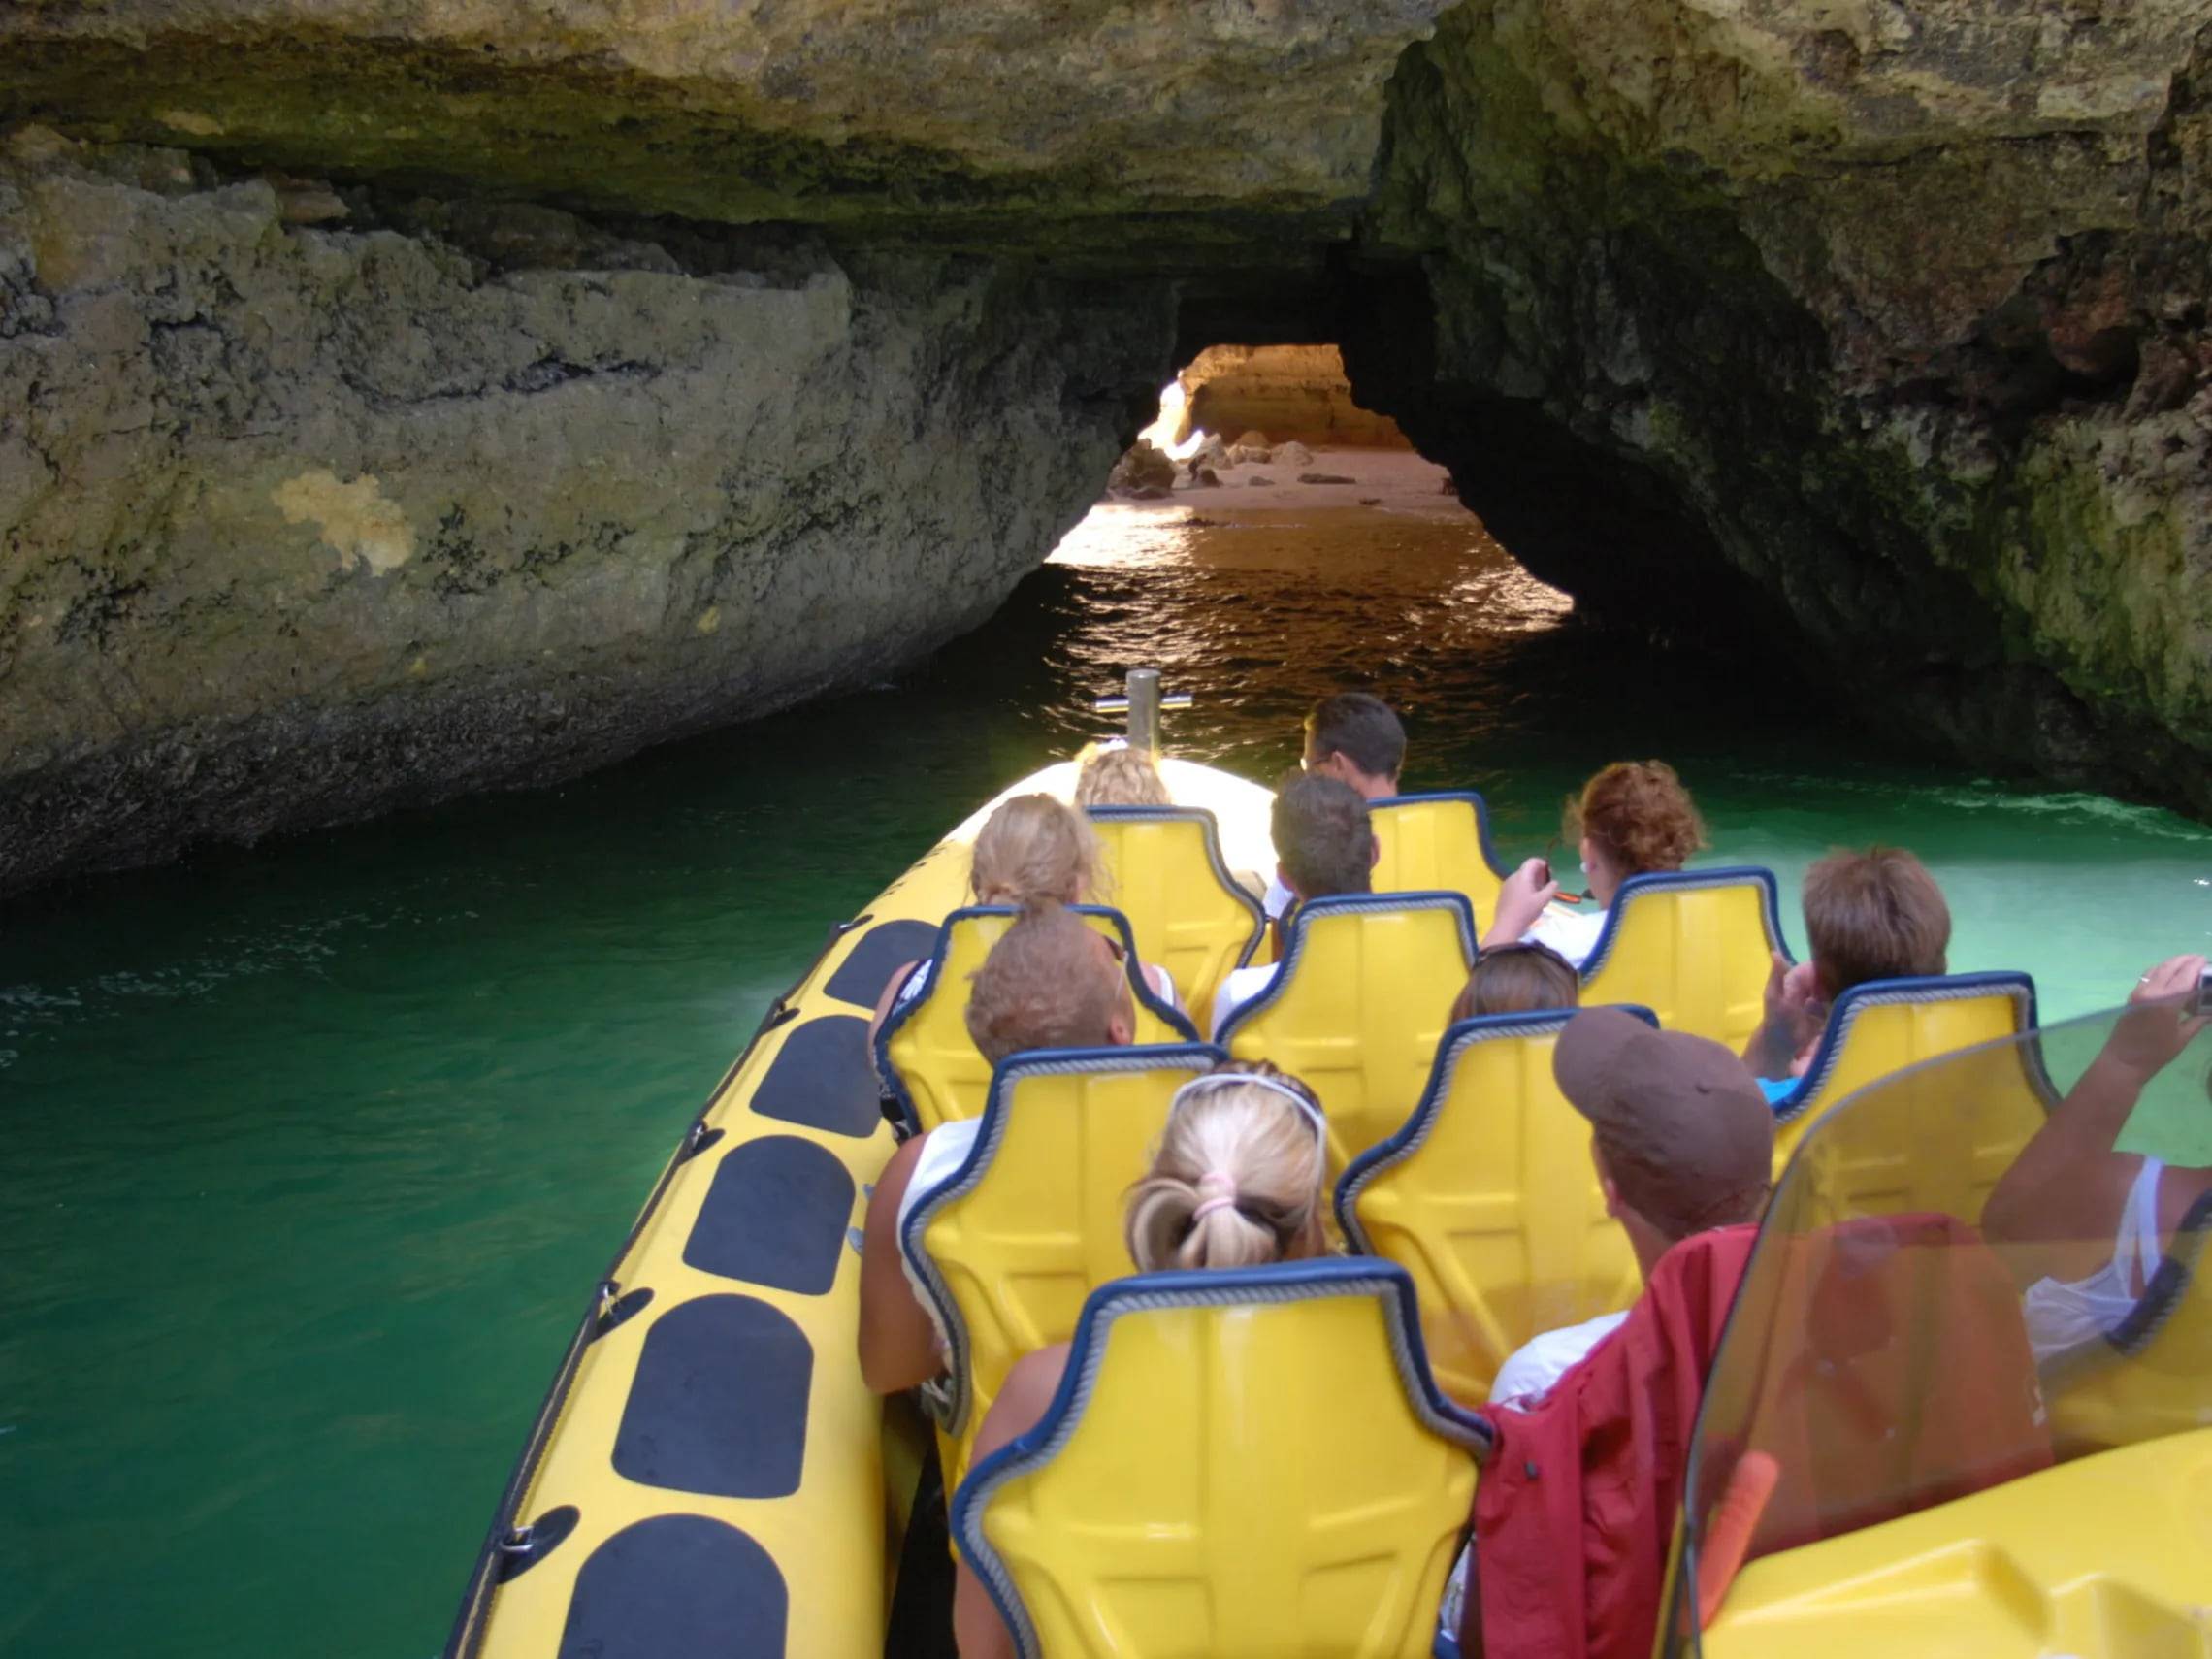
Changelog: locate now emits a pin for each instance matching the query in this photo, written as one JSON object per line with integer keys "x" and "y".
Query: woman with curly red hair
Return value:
{"x": 1632, "y": 818}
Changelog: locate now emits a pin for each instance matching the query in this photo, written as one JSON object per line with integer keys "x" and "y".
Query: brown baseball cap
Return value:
{"x": 1686, "y": 1134}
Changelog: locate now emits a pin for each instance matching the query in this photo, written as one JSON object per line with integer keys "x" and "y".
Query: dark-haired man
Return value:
{"x": 1324, "y": 844}
{"x": 1357, "y": 739}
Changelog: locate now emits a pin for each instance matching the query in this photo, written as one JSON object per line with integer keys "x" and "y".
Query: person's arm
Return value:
{"x": 1521, "y": 899}
{"x": 888, "y": 1001}
{"x": 2068, "y": 1182}
{"x": 977, "y": 1629}
{"x": 898, "y": 1341}
{"x": 1792, "y": 1019}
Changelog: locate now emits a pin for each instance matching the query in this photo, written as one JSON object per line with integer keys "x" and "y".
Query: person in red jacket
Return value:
{"x": 1683, "y": 1143}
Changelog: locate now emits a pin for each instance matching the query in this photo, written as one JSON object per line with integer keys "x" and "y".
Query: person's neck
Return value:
{"x": 1647, "y": 1242}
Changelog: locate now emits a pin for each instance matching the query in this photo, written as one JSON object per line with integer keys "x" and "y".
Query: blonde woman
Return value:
{"x": 1033, "y": 850}
{"x": 1121, "y": 776}
{"x": 1235, "y": 1182}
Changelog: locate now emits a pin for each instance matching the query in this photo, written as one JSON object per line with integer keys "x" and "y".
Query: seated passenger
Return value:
{"x": 1683, "y": 1142}
{"x": 1357, "y": 740}
{"x": 1519, "y": 978}
{"x": 1871, "y": 915}
{"x": 1118, "y": 775}
{"x": 1050, "y": 982}
{"x": 1033, "y": 850}
{"x": 1631, "y": 819}
{"x": 1323, "y": 845}
{"x": 1683, "y": 1145}
{"x": 2058, "y": 1203}
{"x": 1235, "y": 1182}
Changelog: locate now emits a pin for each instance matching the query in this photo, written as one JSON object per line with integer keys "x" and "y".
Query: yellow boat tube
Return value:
{"x": 708, "y": 1473}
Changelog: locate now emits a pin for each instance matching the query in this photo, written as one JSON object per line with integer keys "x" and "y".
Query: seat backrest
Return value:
{"x": 1694, "y": 947}
{"x": 1166, "y": 873}
{"x": 1364, "y": 991}
{"x": 1246, "y": 1461}
{"x": 923, "y": 1048}
{"x": 1030, "y": 1225}
{"x": 1886, "y": 1024}
{"x": 2153, "y": 1375}
{"x": 1437, "y": 843}
{"x": 1489, "y": 1198}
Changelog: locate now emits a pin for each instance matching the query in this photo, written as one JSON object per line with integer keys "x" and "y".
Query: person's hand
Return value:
{"x": 1521, "y": 898}
{"x": 2157, "y": 1024}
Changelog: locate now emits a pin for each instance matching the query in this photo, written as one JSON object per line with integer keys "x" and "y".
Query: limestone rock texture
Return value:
{"x": 1878, "y": 328}
{"x": 1286, "y": 392}
{"x": 399, "y": 396}
{"x": 303, "y": 520}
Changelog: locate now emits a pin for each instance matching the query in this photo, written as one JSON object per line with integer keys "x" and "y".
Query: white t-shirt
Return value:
{"x": 1278, "y": 899}
{"x": 1534, "y": 1369}
{"x": 1240, "y": 986}
{"x": 944, "y": 1149}
{"x": 1572, "y": 933}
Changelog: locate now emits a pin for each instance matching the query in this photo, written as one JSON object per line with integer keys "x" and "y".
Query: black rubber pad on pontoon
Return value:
{"x": 776, "y": 1216}
{"x": 821, "y": 1077}
{"x": 862, "y": 976}
{"x": 676, "y": 1584}
{"x": 718, "y": 1403}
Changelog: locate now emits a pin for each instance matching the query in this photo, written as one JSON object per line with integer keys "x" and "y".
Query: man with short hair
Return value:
{"x": 1355, "y": 738}
{"x": 1683, "y": 1142}
{"x": 1869, "y": 915}
{"x": 1050, "y": 982}
{"x": 1324, "y": 844}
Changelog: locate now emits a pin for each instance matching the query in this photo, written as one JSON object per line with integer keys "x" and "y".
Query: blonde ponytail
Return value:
{"x": 1236, "y": 1179}
{"x": 1033, "y": 850}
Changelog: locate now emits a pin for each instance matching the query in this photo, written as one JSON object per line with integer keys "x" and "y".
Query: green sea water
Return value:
{"x": 315, "y": 1153}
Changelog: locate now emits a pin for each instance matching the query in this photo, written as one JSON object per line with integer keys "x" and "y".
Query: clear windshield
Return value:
{"x": 1961, "y": 1280}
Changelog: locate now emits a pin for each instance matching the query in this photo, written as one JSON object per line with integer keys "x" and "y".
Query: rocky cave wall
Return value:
{"x": 1880, "y": 329}
{"x": 316, "y": 503}
{"x": 400, "y": 397}
{"x": 1288, "y": 392}
{"x": 405, "y": 396}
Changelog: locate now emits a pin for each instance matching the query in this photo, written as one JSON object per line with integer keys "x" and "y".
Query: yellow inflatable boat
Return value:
{"x": 709, "y": 1474}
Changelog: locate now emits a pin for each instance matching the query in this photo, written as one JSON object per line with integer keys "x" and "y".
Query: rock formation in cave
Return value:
{"x": 397, "y": 398}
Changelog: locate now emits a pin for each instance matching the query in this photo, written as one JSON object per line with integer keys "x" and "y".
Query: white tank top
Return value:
{"x": 2063, "y": 1315}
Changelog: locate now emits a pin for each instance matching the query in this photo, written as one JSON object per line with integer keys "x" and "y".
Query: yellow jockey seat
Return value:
{"x": 1166, "y": 873}
{"x": 1487, "y": 1197}
{"x": 1437, "y": 843}
{"x": 1008, "y": 1247}
{"x": 2152, "y": 1374}
{"x": 1926, "y": 1136}
{"x": 1239, "y": 1462}
{"x": 1356, "y": 1007}
{"x": 924, "y": 1051}
{"x": 1886, "y": 1024}
{"x": 1693, "y": 946}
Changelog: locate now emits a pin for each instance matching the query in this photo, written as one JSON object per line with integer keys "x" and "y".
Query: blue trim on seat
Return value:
{"x": 1482, "y": 817}
{"x": 901, "y": 1012}
{"x": 1719, "y": 875}
{"x": 1197, "y": 1058}
{"x": 1280, "y": 1282}
{"x": 1215, "y": 861}
{"x": 1409, "y": 1137}
{"x": 1295, "y": 923}
{"x": 1888, "y": 992}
